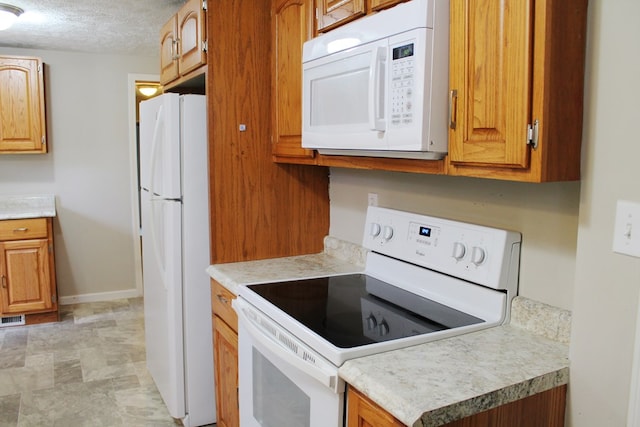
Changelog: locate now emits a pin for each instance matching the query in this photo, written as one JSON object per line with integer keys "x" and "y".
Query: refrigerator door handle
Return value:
{"x": 154, "y": 146}
{"x": 153, "y": 198}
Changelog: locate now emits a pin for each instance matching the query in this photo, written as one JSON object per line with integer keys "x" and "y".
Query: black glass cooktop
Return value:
{"x": 354, "y": 310}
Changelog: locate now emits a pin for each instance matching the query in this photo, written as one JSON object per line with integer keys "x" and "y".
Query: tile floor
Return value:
{"x": 86, "y": 370}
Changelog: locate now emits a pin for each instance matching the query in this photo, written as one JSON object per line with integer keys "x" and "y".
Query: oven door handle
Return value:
{"x": 287, "y": 354}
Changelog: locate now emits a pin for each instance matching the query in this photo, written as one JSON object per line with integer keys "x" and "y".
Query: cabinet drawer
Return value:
{"x": 22, "y": 229}
{"x": 221, "y": 299}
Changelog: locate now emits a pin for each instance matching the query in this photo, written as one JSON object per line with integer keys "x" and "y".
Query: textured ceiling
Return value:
{"x": 109, "y": 26}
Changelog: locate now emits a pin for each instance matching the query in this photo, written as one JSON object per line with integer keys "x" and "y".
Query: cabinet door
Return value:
{"x": 291, "y": 27}
{"x": 169, "y": 51}
{"x": 362, "y": 412}
{"x": 490, "y": 70}
{"x": 383, "y": 4}
{"x": 192, "y": 36}
{"x": 225, "y": 353}
{"x": 22, "y": 113}
{"x": 25, "y": 276}
{"x": 333, "y": 13}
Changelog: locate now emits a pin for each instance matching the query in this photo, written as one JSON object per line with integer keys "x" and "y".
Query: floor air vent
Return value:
{"x": 11, "y": 321}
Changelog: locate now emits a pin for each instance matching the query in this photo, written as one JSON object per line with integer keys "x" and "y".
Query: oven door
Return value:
{"x": 281, "y": 381}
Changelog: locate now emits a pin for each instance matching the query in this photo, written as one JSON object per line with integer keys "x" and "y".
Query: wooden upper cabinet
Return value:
{"x": 183, "y": 42}
{"x": 516, "y": 81}
{"x": 375, "y": 5}
{"x": 292, "y": 25}
{"x": 192, "y": 36}
{"x": 22, "y": 108}
{"x": 333, "y": 13}
{"x": 169, "y": 51}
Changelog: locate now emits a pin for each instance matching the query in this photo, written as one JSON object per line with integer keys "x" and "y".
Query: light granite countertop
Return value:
{"x": 338, "y": 257}
{"x": 28, "y": 206}
{"x": 441, "y": 381}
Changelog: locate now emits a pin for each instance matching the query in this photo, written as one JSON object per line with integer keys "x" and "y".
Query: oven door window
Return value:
{"x": 277, "y": 401}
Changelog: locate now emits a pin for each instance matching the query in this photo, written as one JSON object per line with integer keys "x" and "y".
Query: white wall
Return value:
{"x": 87, "y": 168}
{"x": 567, "y": 260}
{"x": 607, "y": 284}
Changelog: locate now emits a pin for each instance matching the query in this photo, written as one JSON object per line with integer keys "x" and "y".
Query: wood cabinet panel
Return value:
{"x": 333, "y": 13}
{"x": 22, "y": 107}
{"x": 25, "y": 276}
{"x": 514, "y": 64}
{"x": 27, "y": 270}
{"x": 292, "y": 24}
{"x": 225, "y": 355}
{"x": 168, "y": 51}
{"x": 363, "y": 412}
{"x": 221, "y": 299}
{"x": 23, "y": 229}
{"x": 258, "y": 209}
{"x": 375, "y": 5}
{"x": 192, "y": 36}
{"x": 225, "y": 350}
{"x": 183, "y": 40}
{"x": 491, "y": 62}
{"x": 542, "y": 409}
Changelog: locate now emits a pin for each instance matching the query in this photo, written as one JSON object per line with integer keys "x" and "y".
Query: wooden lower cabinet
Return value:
{"x": 27, "y": 270}
{"x": 225, "y": 356}
{"x": 543, "y": 409}
{"x": 225, "y": 350}
{"x": 363, "y": 412}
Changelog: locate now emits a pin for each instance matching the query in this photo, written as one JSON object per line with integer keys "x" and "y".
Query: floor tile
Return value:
{"x": 67, "y": 372}
{"x": 9, "y": 410}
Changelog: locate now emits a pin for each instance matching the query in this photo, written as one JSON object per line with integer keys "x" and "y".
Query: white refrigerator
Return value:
{"x": 175, "y": 254}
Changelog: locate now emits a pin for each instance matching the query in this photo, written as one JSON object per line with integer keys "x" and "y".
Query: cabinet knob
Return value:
{"x": 4, "y": 281}
{"x": 20, "y": 230}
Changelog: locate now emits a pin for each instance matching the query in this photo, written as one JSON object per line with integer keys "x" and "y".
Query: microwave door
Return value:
{"x": 345, "y": 99}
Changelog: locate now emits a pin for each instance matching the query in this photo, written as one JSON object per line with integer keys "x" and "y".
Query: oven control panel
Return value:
{"x": 483, "y": 255}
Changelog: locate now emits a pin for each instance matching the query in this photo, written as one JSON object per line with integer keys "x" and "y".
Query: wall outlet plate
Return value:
{"x": 626, "y": 231}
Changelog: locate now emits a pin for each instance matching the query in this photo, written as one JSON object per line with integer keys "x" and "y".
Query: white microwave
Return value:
{"x": 378, "y": 86}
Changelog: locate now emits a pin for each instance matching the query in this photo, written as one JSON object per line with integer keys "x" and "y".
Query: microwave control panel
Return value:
{"x": 402, "y": 84}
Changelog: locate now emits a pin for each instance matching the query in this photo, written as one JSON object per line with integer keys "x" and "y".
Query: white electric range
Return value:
{"x": 425, "y": 279}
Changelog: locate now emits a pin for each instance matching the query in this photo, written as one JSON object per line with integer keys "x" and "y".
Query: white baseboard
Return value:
{"x": 101, "y": 296}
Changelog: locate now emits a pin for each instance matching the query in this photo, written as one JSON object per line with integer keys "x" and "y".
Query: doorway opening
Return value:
{"x": 140, "y": 88}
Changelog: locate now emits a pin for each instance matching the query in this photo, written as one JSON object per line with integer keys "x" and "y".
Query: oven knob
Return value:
{"x": 383, "y": 328}
{"x": 371, "y": 322}
{"x": 375, "y": 229}
{"x": 459, "y": 250}
{"x": 387, "y": 234}
{"x": 478, "y": 255}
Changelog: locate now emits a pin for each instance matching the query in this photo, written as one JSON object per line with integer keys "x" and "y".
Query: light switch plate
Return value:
{"x": 626, "y": 231}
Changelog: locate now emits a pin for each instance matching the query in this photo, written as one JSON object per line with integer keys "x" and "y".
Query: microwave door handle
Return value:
{"x": 376, "y": 92}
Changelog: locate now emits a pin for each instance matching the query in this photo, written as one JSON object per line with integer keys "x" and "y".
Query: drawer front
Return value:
{"x": 22, "y": 229}
{"x": 221, "y": 299}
